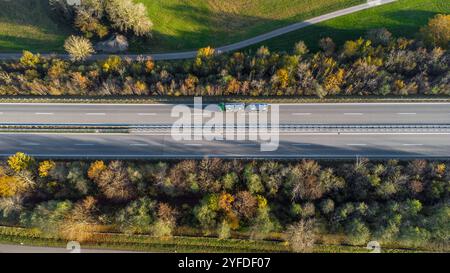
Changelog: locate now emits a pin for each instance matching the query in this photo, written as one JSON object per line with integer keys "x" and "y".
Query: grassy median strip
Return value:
{"x": 180, "y": 244}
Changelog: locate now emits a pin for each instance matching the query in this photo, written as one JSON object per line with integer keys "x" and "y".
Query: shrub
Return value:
{"x": 379, "y": 36}
{"x": 79, "y": 48}
{"x": 29, "y": 60}
{"x": 224, "y": 231}
{"x": 357, "y": 232}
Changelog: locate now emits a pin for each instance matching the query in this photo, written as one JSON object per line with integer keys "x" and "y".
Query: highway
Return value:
{"x": 292, "y": 145}
{"x": 154, "y": 144}
{"x": 341, "y": 113}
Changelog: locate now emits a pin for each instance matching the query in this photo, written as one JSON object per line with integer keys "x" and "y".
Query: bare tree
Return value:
{"x": 301, "y": 236}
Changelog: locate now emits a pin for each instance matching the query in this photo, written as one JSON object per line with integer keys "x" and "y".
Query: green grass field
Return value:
{"x": 178, "y": 24}
{"x": 25, "y": 24}
{"x": 187, "y": 25}
{"x": 402, "y": 18}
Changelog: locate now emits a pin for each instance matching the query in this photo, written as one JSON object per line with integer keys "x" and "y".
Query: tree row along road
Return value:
{"x": 238, "y": 45}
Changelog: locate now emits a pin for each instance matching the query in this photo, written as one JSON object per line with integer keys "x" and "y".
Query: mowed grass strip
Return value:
{"x": 178, "y": 24}
{"x": 188, "y": 25}
{"x": 403, "y": 18}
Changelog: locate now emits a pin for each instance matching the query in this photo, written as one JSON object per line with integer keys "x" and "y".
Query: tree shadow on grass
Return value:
{"x": 36, "y": 16}
{"x": 209, "y": 28}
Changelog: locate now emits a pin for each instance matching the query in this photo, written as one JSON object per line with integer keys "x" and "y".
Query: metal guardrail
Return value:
{"x": 138, "y": 128}
{"x": 317, "y": 128}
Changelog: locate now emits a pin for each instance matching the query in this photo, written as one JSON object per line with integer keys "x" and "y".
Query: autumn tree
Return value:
{"x": 437, "y": 32}
{"x": 81, "y": 223}
{"x": 327, "y": 45}
{"x": 11, "y": 185}
{"x": 245, "y": 205}
{"x": 20, "y": 162}
{"x": 96, "y": 169}
{"x": 305, "y": 181}
{"x": 301, "y": 236}
{"x": 88, "y": 18}
{"x": 165, "y": 222}
{"x": 45, "y": 167}
{"x": 125, "y": 15}
{"x": 379, "y": 36}
{"x": 115, "y": 184}
{"x": 137, "y": 217}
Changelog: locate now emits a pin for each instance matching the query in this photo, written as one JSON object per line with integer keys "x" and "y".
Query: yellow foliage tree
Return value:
{"x": 333, "y": 82}
{"x": 149, "y": 65}
{"x": 45, "y": 167}
{"x": 95, "y": 169}
{"x": 29, "y": 60}
{"x": 10, "y": 185}
{"x": 19, "y": 162}
{"x": 283, "y": 78}
{"x": 225, "y": 201}
{"x": 112, "y": 64}
{"x": 437, "y": 32}
{"x": 205, "y": 52}
{"x": 440, "y": 168}
{"x": 262, "y": 202}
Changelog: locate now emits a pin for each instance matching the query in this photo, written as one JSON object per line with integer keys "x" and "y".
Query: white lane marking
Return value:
{"x": 193, "y": 144}
{"x": 406, "y": 113}
{"x": 353, "y": 114}
{"x": 95, "y": 114}
{"x": 138, "y": 144}
{"x": 356, "y": 144}
{"x": 47, "y": 114}
{"x": 301, "y": 114}
{"x": 301, "y": 144}
{"x": 412, "y": 144}
{"x": 30, "y": 144}
{"x": 227, "y": 155}
{"x": 147, "y": 114}
{"x": 249, "y": 144}
{"x": 84, "y": 144}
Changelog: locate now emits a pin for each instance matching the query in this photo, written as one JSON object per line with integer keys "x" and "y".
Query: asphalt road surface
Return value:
{"x": 238, "y": 45}
{"x": 291, "y": 145}
{"x": 375, "y": 143}
{"x": 342, "y": 113}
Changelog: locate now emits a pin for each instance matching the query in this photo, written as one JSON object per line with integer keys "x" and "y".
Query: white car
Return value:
{"x": 262, "y": 107}
{"x": 234, "y": 107}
